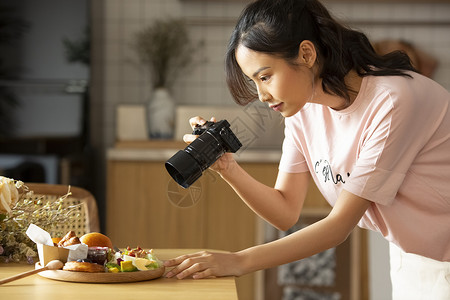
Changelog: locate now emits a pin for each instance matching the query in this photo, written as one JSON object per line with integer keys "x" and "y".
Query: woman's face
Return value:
{"x": 285, "y": 88}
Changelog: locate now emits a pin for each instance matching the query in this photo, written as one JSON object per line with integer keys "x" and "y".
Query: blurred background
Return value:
{"x": 69, "y": 72}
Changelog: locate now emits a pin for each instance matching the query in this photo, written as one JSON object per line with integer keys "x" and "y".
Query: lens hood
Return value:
{"x": 183, "y": 168}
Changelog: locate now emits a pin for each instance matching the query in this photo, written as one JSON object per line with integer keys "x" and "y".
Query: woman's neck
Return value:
{"x": 353, "y": 82}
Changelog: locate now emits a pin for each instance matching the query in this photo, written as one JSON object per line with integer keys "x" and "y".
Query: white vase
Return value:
{"x": 161, "y": 114}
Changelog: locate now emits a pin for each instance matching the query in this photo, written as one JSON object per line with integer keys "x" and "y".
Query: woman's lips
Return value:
{"x": 276, "y": 107}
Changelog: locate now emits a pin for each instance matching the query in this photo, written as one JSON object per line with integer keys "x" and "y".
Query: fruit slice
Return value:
{"x": 127, "y": 266}
{"x": 141, "y": 263}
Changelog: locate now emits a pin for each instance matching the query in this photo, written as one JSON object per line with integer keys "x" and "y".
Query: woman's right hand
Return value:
{"x": 224, "y": 162}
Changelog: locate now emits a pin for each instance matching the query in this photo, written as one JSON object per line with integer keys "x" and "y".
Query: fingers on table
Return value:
{"x": 187, "y": 265}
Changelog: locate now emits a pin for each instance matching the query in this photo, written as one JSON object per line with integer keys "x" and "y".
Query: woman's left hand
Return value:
{"x": 204, "y": 264}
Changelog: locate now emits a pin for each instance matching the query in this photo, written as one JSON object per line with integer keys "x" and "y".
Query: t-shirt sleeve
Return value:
{"x": 292, "y": 159}
{"x": 397, "y": 133}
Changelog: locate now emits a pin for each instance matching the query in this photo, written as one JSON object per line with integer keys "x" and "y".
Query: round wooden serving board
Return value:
{"x": 101, "y": 277}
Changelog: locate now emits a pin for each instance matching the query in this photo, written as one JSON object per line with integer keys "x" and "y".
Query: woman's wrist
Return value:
{"x": 243, "y": 263}
{"x": 228, "y": 167}
{"x": 252, "y": 259}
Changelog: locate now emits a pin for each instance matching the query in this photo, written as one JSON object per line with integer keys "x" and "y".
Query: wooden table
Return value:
{"x": 36, "y": 287}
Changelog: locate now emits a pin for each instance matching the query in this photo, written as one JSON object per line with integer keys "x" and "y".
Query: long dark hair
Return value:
{"x": 277, "y": 27}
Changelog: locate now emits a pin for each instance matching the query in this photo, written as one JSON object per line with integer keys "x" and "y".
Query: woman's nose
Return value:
{"x": 263, "y": 97}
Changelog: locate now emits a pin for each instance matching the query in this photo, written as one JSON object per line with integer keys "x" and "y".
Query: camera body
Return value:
{"x": 215, "y": 139}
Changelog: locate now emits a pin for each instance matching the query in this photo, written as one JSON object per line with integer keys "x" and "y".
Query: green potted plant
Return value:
{"x": 165, "y": 49}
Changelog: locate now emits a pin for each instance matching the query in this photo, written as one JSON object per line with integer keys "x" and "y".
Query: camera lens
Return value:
{"x": 183, "y": 168}
{"x": 187, "y": 166}
{"x": 215, "y": 139}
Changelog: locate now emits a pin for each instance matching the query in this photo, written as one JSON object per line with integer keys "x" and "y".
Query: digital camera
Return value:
{"x": 215, "y": 138}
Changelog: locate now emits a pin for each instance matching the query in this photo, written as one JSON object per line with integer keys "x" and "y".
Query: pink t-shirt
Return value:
{"x": 392, "y": 147}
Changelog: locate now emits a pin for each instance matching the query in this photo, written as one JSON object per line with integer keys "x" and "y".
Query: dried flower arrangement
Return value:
{"x": 19, "y": 208}
{"x": 165, "y": 47}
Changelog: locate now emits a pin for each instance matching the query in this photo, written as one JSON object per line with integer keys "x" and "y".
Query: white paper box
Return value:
{"x": 131, "y": 123}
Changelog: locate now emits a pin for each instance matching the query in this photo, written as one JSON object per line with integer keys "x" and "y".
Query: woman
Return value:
{"x": 373, "y": 134}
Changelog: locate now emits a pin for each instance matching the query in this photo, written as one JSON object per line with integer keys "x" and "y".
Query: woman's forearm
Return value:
{"x": 277, "y": 208}
{"x": 311, "y": 240}
{"x": 317, "y": 237}
{"x": 324, "y": 234}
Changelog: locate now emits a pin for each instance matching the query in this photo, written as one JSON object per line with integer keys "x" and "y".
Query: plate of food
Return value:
{"x": 100, "y": 276}
{"x": 103, "y": 264}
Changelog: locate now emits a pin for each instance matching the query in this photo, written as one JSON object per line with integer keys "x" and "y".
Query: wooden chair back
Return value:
{"x": 88, "y": 220}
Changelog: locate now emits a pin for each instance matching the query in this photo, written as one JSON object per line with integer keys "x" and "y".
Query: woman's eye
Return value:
{"x": 264, "y": 78}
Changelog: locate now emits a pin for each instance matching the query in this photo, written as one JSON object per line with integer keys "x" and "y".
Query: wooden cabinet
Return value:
{"x": 145, "y": 207}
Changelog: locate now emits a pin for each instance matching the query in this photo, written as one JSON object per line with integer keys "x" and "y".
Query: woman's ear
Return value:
{"x": 307, "y": 53}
